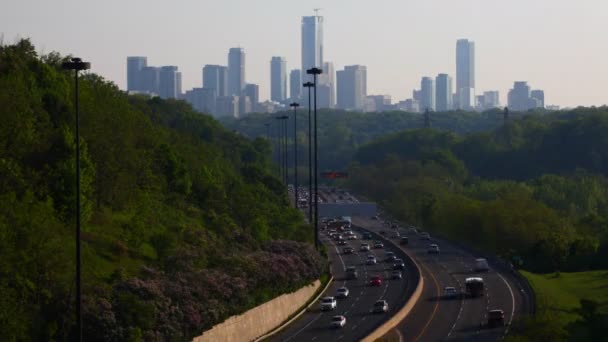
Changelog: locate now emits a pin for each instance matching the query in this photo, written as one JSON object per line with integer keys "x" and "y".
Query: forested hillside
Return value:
{"x": 183, "y": 223}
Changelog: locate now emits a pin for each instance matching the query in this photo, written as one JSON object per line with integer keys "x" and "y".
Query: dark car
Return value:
{"x": 496, "y": 318}
{"x": 348, "y": 250}
{"x": 366, "y": 236}
{"x": 376, "y": 281}
{"x": 398, "y": 264}
{"x": 341, "y": 242}
{"x": 404, "y": 240}
{"x": 351, "y": 273}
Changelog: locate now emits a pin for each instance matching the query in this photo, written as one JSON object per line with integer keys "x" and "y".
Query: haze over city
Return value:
{"x": 555, "y": 45}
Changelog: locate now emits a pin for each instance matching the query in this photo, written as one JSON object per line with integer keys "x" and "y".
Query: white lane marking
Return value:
{"x": 512, "y": 303}
{"x": 314, "y": 338}
{"x": 400, "y": 335}
{"x": 354, "y": 327}
{"x": 304, "y": 327}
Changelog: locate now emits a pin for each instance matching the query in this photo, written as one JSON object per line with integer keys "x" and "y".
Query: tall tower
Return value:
{"x": 427, "y": 94}
{"x": 465, "y": 73}
{"x": 169, "y": 82}
{"x": 278, "y": 79}
{"x": 352, "y": 87}
{"x": 312, "y": 43}
{"x": 443, "y": 93}
{"x": 295, "y": 85}
{"x": 135, "y": 65}
{"x": 236, "y": 71}
{"x": 216, "y": 77}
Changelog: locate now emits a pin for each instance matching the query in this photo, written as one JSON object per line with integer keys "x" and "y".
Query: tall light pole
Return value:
{"x": 283, "y": 142}
{"x": 295, "y": 106}
{"x": 314, "y": 72}
{"x": 279, "y": 145}
{"x": 77, "y": 65}
{"x": 309, "y": 85}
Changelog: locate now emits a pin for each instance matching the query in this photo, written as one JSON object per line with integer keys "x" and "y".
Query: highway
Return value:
{"x": 360, "y": 321}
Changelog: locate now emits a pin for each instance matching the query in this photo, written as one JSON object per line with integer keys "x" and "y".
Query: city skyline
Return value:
{"x": 550, "y": 60}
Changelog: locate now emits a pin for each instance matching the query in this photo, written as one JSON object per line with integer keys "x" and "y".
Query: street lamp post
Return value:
{"x": 77, "y": 65}
{"x": 279, "y": 146}
{"x": 314, "y": 72}
{"x": 309, "y": 85}
{"x": 283, "y": 145}
{"x": 295, "y": 106}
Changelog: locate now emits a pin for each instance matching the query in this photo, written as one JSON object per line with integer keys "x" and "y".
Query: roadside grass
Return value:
{"x": 559, "y": 294}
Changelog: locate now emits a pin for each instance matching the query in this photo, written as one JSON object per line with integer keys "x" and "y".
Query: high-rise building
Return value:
{"x": 378, "y": 103}
{"x": 150, "y": 77}
{"x": 245, "y": 105}
{"x": 278, "y": 79}
{"x": 216, "y": 77}
{"x": 202, "y": 99}
{"x": 312, "y": 42}
{"x": 295, "y": 85}
{"x": 352, "y": 87}
{"x": 168, "y": 82}
{"x": 323, "y": 95}
{"x": 135, "y": 64}
{"x": 178, "y": 84}
{"x": 227, "y": 106}
{"x": 520, "y": 99}
{"x": 490, "y": 99}
{"x": 443, "y": 93}
{"x": 465, "y": 73}
{"x": 427, "y": 94}
{"x": 253, "y": 92}
{"x": 236, "y": 71}
{"x": 539, "y": 95}
{"x": 328, "y": 79}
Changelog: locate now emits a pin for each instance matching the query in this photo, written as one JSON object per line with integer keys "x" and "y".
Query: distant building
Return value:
{"x": 252, "y": 91}
{"x": 278, "y": 79}
{"x": 150, "y": 77}
{"x": 490, "y": 99}
{"x": 409, "y": 105}
{"x": 202, "y": 100}
{"x": 417, "y": 95}
{"x": 295, "y": 85}
{"x": 168, "y": 82}
{"x": 245, "y": 105}
{"x": 352, "y": 87}
{"x": 465, "y": 74}
{"x": 236, "y": 71}
{"x": 328, "y": 78}
{"x": 135, "y": 65}
{"x": 443, "y": 93}
{"x": 427, "y": 94}
{"x": 178, "y": 84}
{"x": 521, "y": 99}
{"x": 269, "y": 107}
{"x": 323, "y": 96}
{"x": 539, "y": 95}
{"x": 227, "y": 106}
{"x": 216, "y": 77}
{"x": 312, "y": 47}
{"x": 378, "y": 103}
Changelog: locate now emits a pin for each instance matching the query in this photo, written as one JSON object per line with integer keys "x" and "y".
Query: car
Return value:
{"x": 351, "y": 272}
{"x": 398, "y": 264}
{"x": 389, "y": 256}
{"x": 397, "y": 275}
{"x": 341, "y": 242}
{"x": 425, "y": 236}
{"x": 496, "y": 318}
{"x": 375, "y": 218}
{"x": 338, "y": 322}
{"x": 450, "y": 292}
{"x": 404, "y": 240}
{"x": 378, "y": 244}
{"x": 328, "y": 303}
{"x": 481, "y": 265}
{"x": 366, "y": 236}
{"x": 348, "y": 250}
{"x": 433, "y": 249}
{"x": 364, "y": 247}
{"x": 371, "y": 260}
{"x": 412, "y": 230}
{"x": 338, "y": 237}
{"x": 380, "y": 306}
{"x": 394, "y": 225}
{"x": 342, "y": 292}
{"x": 351, "y": 237}
{"x": 396, "y": 235}
{"x": 375, "y": 281}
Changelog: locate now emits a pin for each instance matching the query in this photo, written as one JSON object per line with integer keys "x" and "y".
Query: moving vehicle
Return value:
{"x": 398, "y": 264}
{"x": 371, "y": 260}
{"x": 341, "y": 242}
{"x": 481, "y": 265}
{"x": 412, "y": 230}
{"x": 378, "y": 244}
{"x": 351, "y": 272}
{"x": 328, "y": 303}
{"x": 389, "y": 256}
{"x": 376, "y": 281}
{"x": 404, "y": 240}
{"x": 433, "y": 249}
{"x": 496, "y": 318}
{"x": 364, "y": 247}
{"x": 397, "y": 275}
{"x": 450, "y": 292}
{"x": 380, "y": 306}
{"x": 396, "y": 235}
{"x": 338, "y": 322}
{"x": 425, "y": 236}
{"x": 367, "y": 236}
{"x": 342, "y": 292}
{"x": 474, "y": 286}
{"x": 348, "y": 250}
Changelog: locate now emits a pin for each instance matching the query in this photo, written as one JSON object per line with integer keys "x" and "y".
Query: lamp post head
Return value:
{"x": 294, "y": 105}
{"x": 308, "y": 85}
{"x": 314, "y": 71}
{"x": 76, "y": 64}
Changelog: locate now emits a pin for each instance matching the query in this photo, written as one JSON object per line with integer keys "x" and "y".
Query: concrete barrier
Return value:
{"x": 261, "y": 319}
{"x": 403, "y": 312}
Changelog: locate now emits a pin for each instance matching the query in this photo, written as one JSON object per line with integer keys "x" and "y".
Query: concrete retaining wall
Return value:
{"x": 261, "y": 319}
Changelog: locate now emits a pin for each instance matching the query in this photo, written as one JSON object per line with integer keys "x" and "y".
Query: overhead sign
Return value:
{"x": 334, "y": 175}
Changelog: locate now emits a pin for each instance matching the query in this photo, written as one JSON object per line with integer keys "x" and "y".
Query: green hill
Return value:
{"x": 183, "y": 222}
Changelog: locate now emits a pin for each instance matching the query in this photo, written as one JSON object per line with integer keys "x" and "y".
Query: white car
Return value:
{"x": 342, "y": 292}
{"x": 433, "y": 249}
{"x": 328, "y": 303}
{"x": 481, "y": 265}
{"x": 364, "y": 247}
{"x": 380, "y": 306}
{"x": 371, "y": 260}
{"x": 338, "y": 322}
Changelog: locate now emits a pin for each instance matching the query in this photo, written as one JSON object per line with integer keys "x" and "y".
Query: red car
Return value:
{"x": 376, "y": 281}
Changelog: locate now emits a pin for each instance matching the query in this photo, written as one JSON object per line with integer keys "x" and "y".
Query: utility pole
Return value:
{"x": 314, "y": 72}
{"x": 309, "y": 85}
{"x": 295, "y": 106}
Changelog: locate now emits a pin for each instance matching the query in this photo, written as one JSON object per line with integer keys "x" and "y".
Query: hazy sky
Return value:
{"x": 560, "y": 46}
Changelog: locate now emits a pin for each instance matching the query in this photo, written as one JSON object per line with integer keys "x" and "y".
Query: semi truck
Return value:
{"x": 474, "y": 287}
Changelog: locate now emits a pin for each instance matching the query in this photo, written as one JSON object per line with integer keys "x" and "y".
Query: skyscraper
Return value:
{"x": 295, "y": 85}
{"x": 427, "y": 94}
{"x": 519, "y": 98}
{"x": 216, "y": 77}
{"x": 236, "y": 71}
{"x": 312, "y": 42}
{"x": 328, "y": 79}
{"x": 135, "y": 64}
{"x": 253, "y": 92}
{"x": 278, "y": 79}
{"x": 539, "y": 96}
{"x": 443, "y": 92}
{"x": 465, "y": 73}
{"x": 168, "y": 82}
{"x": 352, "y": 87}
{"x": 202, "y": 99}
{"x": 150, "y": 77}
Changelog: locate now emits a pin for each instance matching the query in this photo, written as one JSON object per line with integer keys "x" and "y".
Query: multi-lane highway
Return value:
{"x": 314, "y": 325}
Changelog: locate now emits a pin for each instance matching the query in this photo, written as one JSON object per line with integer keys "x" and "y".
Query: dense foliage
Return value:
{"x": 183, "y": 223}
{"x": 534, "y": 190}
